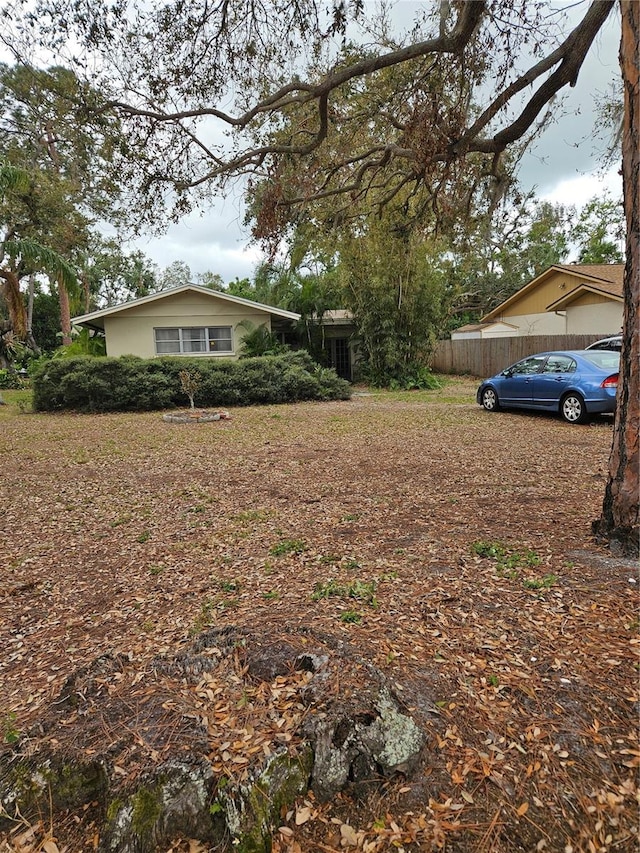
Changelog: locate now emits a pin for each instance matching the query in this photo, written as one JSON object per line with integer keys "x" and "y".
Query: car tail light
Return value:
{"x": 610, "y": 381}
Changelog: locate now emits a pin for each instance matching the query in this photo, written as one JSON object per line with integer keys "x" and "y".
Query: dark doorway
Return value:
{"x": 339, "y": 357}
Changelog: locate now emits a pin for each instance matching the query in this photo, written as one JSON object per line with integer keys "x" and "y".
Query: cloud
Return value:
{"x": 582, "y": 188}
{"x": 571, "y": 149}
{"x": 212, "y": 241}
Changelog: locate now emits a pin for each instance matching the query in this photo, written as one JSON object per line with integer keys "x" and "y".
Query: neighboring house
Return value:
{"x": 566, "y": 299}
{"x": 186, "y": 320}
{"x": 480, "y": 331}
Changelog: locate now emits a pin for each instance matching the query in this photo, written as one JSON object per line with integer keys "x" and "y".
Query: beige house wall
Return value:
{"x": 497, "y": 330}
{"x": 131, "y": 332}
{"x": 546, "y": 323}
{"x": 558, "y": 284}
{"x": 582, "y": 319}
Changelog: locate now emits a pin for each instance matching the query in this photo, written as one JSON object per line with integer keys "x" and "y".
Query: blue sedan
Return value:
{"x": 574, "y": 384}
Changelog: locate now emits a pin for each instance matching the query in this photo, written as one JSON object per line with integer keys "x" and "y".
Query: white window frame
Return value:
{"x": 186, "y": 337}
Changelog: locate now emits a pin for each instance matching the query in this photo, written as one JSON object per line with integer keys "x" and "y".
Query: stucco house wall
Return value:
{"x": 593, "y": 315}
{"x": 132, "y": 332}
{"x": 130, "y": 329}
{"x": 538, "y": 324}
{"x": 479, "y": 331}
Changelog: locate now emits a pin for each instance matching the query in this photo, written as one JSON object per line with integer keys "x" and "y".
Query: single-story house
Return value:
{"x": 185, "y": 320}
{"x": 197, "y": 321}
{"x": 566, "y": 299}
{"x": 480, "y": 331}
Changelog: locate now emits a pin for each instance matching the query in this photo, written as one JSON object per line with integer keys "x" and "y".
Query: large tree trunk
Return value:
{"x": 15, "y": 302}
{"x": 65, "y": 312}
{"x": 29, "y": 339}
{"x": 619, "y": 523}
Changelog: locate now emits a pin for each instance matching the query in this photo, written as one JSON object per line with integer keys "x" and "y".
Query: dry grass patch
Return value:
{"x": 448, "y": 546}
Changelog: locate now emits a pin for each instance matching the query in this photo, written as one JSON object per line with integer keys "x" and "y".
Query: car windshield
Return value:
{"x": 606, "y": 359}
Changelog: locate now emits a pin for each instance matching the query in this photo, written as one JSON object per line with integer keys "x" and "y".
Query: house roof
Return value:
{"x": 339, "y": 316}
{"x": 91, "y": 318}
{"x": 478, "y": 327}
{"x": 607, "y": 278}
{"x": 607, "y": 289}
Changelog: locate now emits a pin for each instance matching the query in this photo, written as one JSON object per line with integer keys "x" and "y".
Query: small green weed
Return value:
{"x": 329, "y": 559}
{"x": 511, "y": 574}
{"x": 204, "y": 618}
{"x": 360, "y": 590}
{"x": 251, "y": 515}
{"x": 363, "y": 591}
{"x": 494, "y": 550}
{"x": 493, "y": 680}
{"x": 144, "y": 537}
{"x": 326, "y": 590}
{"x": 123, "y": 519}
{"x": 288, "y": 546}
{"x": 541, "y": 583}
{"x": 272, "y": 595}
{"x": 526, "y": 558}
{"x": 508, "y": 562}
{"x": 156, "y": 569}
{"x": 226, "y": 585}
{"x": 388, "y": 576}
{"x": 351, "y": 617}
{"x": 350, "y": 516}
{"x": 10, "y": 732}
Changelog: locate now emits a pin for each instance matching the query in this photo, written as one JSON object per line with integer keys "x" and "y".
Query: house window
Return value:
{"x": 194, "y": 339}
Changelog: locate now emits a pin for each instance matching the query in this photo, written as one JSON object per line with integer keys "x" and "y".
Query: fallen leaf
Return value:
{"x": 303, "y": 815}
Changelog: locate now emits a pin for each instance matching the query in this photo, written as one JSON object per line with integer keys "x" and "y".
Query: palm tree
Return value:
{"x": 17, "y": 256}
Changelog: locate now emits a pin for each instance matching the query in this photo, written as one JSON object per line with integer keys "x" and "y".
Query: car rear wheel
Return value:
{"x": 490, "y": 400}
{"x": 573, "y": 409}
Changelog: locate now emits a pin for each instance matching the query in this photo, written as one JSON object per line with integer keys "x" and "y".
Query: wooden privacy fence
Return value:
{"x": 485, "y": 357}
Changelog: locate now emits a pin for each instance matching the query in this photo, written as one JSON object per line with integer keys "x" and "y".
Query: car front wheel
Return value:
{"x": 490, "y": 400}
{"x": 573, "y": 409}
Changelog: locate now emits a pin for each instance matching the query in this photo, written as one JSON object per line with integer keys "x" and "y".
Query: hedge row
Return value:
{"x": 129, "y": 383}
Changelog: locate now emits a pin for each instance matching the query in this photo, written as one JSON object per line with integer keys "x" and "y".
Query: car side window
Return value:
{"x": 527, "y": 366}
{"x": 559, "y": 364}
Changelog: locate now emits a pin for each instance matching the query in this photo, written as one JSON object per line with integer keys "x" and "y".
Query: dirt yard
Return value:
{"x": 448, "y": 547}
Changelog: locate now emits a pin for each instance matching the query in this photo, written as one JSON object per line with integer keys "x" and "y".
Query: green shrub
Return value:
{"x": 130, "y": 383}
{"x": 416, "y": 379}
{"x": 259, "y": 340}
{"x": 10, "y": 379}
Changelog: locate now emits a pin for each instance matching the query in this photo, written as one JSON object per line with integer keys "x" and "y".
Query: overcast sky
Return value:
{"x": 563, "y": 166}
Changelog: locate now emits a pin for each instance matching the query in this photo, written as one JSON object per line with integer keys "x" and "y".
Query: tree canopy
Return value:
{"x": 209, "y": 91}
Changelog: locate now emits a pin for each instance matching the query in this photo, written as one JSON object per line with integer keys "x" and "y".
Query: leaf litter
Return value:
{"x": 513, "y": 636}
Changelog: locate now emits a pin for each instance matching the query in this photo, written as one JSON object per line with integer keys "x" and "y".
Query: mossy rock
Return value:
{"x": 252, "y": 811}
{"x": 176, "y": 802}
{"x": 34, "y": 787}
